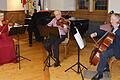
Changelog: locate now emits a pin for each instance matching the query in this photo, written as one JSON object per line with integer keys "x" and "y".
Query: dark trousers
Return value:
{"x": 30, "y": 37}
{"x": 104, "y": 60}
{"x": 36, "y": 34}
{"x": 53, "y": 44}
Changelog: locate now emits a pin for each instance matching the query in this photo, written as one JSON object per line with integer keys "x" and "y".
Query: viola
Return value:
{"x": 62, "y": 22}
{"x": 102, "y": 46}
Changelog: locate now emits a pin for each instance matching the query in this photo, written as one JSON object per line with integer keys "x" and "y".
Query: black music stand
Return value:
{"x": 49, "y": 33}
{"x": 17, "y": 31}
{"x": 78, "y": 64}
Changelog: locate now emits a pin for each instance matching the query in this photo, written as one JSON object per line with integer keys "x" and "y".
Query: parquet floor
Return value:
{"x": 30, "y": 70}
{"x": 33, "y": 70}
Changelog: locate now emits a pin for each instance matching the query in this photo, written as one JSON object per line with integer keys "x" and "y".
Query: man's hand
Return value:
{"x": 93, "y": 35}
{"x": 0, "y": 33}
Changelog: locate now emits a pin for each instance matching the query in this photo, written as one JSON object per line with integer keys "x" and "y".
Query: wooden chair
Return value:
{"x": 65, "y": 43}
{"x": 111, "y": 61}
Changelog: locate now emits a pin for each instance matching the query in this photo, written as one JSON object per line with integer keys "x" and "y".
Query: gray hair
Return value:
{"x": 57, "y": 11}
{"x": 117, "y": 15}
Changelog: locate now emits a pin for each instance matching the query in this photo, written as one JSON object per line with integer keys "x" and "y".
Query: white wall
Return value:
{"x": 114, "y": 5}
{"x": 64, "y": 5}
{"x": 13, "y": 5}
{"x": 69, "y": 5}
{"x": 3, "y": 5}
{"x": 10, "y": 5}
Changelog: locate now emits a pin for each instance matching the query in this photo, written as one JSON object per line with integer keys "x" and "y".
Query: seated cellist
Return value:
{"x": 112, "y": 50}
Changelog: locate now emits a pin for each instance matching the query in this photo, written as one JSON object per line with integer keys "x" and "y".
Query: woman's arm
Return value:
{"x": 52, "y": 22}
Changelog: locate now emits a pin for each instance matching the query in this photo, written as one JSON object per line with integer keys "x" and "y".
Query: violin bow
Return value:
{"x": 10, "y": 18}
{"x": 102, "y": 36}
{"x": 96, "y": 42}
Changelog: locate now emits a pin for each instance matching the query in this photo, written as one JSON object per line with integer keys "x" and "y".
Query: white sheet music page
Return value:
{"x": 79, "y": 39}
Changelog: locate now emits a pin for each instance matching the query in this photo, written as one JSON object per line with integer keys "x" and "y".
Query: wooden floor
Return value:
{"x": 30, "y": 70}
{"x": 33, "y": 70}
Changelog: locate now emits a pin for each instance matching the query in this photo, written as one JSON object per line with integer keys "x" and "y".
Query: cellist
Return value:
{"x": 112, "y": 50}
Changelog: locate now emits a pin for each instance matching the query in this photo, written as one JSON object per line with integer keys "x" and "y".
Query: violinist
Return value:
{"x": 53, "y": 44}
{"x": 7, "y": 49}
{"x": 112, "y": 50}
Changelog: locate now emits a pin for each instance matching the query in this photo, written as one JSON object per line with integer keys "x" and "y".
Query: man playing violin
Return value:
{"x": 53, "y": 44}
{"x": 112, "y": 50}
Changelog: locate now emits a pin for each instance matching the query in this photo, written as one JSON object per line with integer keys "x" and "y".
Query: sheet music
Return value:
{"x": 79, "y": 39}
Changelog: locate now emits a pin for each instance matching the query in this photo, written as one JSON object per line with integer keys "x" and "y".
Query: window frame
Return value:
{"x": 77, "y": 2}
{"x": 94, "y": 10}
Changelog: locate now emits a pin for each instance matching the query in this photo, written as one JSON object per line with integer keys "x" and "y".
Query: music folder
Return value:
{"x": 17, "y": 30}
{"x": 79, "y": 39}
{"x": 49, "y": 32}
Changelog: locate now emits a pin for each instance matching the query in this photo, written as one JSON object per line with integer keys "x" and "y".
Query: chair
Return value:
{"x": 65, "y": 44}
{"x": 112, "y": 60}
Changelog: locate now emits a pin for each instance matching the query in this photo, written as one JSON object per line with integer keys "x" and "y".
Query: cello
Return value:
{"x": 104, "y": 43}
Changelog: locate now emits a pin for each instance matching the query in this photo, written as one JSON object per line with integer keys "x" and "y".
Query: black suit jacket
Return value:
{"x": 116, "y": 44}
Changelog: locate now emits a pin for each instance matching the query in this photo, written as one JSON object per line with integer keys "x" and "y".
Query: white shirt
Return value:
{"x": 115, "y": 29}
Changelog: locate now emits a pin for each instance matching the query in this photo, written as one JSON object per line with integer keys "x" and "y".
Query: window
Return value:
{"x": 92, "y": 9}
{"x": 83, "y": 4}
{"x": 101, "y": 4}
{"x": 92, "y": 5}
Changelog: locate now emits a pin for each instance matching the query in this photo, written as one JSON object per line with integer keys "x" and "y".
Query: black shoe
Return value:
{"x": 97, "y": 77}
{"x": 106, "y": 70}
{"x": 50, "y": 53}
{"x": 30, "y": 45}
{"x": 56, "y": 64}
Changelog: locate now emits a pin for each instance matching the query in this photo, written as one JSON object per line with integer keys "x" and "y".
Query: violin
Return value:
{"x": 102, "y": 46}
{"x": 61, "y": 22}
{"x": 5, "y": 23}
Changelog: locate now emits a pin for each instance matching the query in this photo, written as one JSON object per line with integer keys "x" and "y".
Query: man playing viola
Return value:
{"x": 53, "y": 44}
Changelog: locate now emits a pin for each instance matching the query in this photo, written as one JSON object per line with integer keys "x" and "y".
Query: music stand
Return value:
{"x": 80, "y": 45}
{"x": 49, "y": 33}
{"x": 17, "y": 31}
